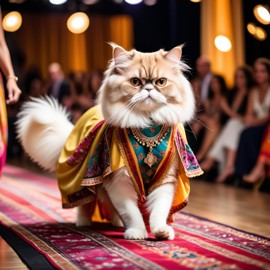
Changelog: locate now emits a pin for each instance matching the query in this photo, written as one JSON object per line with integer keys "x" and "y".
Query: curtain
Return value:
{"x": 223, "y": 17}
{"x": 44, "y": 38}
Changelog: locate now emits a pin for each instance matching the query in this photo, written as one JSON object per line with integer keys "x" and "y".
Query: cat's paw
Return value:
{"x": 83, "y": 222}
{"x": 135, "y": 234}
{"x": 163, "y": 232}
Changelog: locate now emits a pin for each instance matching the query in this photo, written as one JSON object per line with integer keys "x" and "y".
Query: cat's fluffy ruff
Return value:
{"x": 42, "y": 129}
{"x": 127, "y": 106}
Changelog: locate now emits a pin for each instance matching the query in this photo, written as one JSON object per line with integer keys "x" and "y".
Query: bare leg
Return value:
{"x": 208, "y": 163}
{"x": 257, "y": 173}
{"x": 211, "y": 133}
{"x": 159, "y": 204}
{"x": 124, "y": 198}
{"x": 229, "y": 167}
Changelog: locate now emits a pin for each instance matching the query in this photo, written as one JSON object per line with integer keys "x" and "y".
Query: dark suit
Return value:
{"x": 60, "y": 90}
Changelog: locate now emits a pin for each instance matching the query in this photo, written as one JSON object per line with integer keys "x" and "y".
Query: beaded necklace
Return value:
{"x": 150, "y": 142}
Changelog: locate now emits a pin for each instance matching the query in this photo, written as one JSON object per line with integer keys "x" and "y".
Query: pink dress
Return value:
{"x": 3, "y": 127}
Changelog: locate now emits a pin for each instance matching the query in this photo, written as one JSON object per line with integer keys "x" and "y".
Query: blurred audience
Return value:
{"x": 33, "y": 84}
{"x": 84, "y": 88}
{"x": 203, "y": 77}
{"x": 212, "y": 116}
{"x": 256, "y": 120}
{"x": 234, "y": 105}
{"x": 58, "y": 86}
{"x": 261, "y": 169}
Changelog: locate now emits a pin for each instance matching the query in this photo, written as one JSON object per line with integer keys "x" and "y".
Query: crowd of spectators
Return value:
{"x": 230, "y": 133}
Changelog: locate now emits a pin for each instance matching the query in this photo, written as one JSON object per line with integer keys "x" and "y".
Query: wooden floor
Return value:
{"x": 239, "y": 208}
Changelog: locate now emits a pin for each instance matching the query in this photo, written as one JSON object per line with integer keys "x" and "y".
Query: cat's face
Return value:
{"x": 144, "y": 88}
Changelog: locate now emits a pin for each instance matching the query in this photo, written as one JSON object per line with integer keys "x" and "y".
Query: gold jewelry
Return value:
{"x": 150, "y": 142}
{"x": 12, "y": 78}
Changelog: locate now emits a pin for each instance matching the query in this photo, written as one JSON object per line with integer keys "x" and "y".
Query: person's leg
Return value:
{"x": 257, "y": 173}
{"x": 248, "y": 149}
{"x": 229, "y": 166}
{"x": 211, "y": 133}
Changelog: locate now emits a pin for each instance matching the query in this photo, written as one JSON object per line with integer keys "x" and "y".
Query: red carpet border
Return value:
{"x": 30, "y": 207}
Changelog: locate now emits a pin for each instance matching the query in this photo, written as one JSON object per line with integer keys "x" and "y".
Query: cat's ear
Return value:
{"x": 175, "y": 53}
{"x": 119, "y": 54}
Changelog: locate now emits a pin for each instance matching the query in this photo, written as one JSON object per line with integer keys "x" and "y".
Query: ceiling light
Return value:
{"x": 150, "y": 2}
{"x": 12, "y": 21}
{"x": 262, "y": 14}
{"x": 90, "y": 2}
{"x": 223, "y": 43}
{"x": 78, "y": 22}
{"x": 133, "y": 2}
{"x": 195, "y": 1}
{"x": 58, "y": 2}
{"x": 260, "y": 34}
{"x": 251, "y": 27}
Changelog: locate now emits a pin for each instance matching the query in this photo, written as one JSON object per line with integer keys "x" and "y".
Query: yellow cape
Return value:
{"x": 81, "y": 145}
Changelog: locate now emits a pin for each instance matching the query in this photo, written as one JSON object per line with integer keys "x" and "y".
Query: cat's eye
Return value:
{"x": 135, "y": 82}
{"x": 161, "y": 82}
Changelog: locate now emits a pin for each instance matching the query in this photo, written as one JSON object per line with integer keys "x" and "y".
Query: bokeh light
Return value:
{"x": 78, "y": 22}
{"x": 12, "y": 21}
{"x": 262, "y": 14}
{"x": 223, "y": 43}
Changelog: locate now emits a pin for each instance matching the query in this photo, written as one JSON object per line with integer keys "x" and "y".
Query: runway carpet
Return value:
{"x": 43, "y": 235}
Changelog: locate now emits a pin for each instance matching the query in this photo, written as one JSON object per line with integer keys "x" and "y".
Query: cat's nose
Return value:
{"x": 148, "y": 87}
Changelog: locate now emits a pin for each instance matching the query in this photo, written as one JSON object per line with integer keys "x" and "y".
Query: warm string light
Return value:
{"x": 12, "y": 21}
{"x": 256, "y": 31}
{"x": 133, "y": 2}
{"x": 78, "y": 22}
{"x": 223, "y": 43}
{"x": 57, "y": 2}
{"x": 262, "y": 14}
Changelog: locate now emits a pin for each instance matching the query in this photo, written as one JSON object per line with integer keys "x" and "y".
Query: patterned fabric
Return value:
{"x": 147, "y": 173}
{"x": 3, "y": 127}
{"x": 31, "y": 208}
{"x": 94, "y": 150}
{"x": 189, "y": 161}
{"x": 264, "y": 153}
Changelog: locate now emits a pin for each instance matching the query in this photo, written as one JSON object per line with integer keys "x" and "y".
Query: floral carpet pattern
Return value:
{"x": 30, "y": 207}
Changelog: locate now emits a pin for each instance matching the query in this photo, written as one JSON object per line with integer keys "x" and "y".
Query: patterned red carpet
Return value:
{"x": 44, "y": 236}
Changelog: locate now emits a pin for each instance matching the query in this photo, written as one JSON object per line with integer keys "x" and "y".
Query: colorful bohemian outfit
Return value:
{"x": 94, "y": 150}
{"x": 3, "y": 127}
{"x": 264, "y": 153}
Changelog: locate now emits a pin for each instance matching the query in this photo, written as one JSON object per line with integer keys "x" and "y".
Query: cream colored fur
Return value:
{"x": 127, "y": 106}
{"x": 42, "y": 129}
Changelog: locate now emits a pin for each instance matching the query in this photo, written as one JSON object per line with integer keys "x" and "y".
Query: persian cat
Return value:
{"x": 139, "y": 91}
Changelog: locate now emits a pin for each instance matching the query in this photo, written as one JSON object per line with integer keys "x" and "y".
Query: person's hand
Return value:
{"x": 13, "y": 90}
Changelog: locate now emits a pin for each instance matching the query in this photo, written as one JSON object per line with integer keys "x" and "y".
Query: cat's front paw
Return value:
{"x": 163, "y": 232}
{"x": 83, "y": 222}
{"x": 135, "y": 234}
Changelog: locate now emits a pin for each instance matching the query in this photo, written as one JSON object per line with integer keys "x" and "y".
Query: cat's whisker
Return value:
{"x": 191, "y": 130}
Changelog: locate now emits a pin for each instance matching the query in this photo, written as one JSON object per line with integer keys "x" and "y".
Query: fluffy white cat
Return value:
{"x": 138, "y": 90}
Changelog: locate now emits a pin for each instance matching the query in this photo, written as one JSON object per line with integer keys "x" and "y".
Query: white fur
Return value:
{"x": 148, "y": 105}
{"x": 42, "y": 129}
{"x": 161, "y": 112}
{"x": 123, "y": 196}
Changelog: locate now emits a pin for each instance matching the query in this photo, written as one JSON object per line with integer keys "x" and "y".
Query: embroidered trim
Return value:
{"x": 83, "y": 148}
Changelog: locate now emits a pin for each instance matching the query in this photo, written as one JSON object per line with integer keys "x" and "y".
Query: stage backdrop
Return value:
{"x": 45, "y": 38}
{"x": 223, "y": 17}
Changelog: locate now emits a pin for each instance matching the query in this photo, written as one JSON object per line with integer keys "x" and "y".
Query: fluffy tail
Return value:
{"x": 43, "y": 126}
